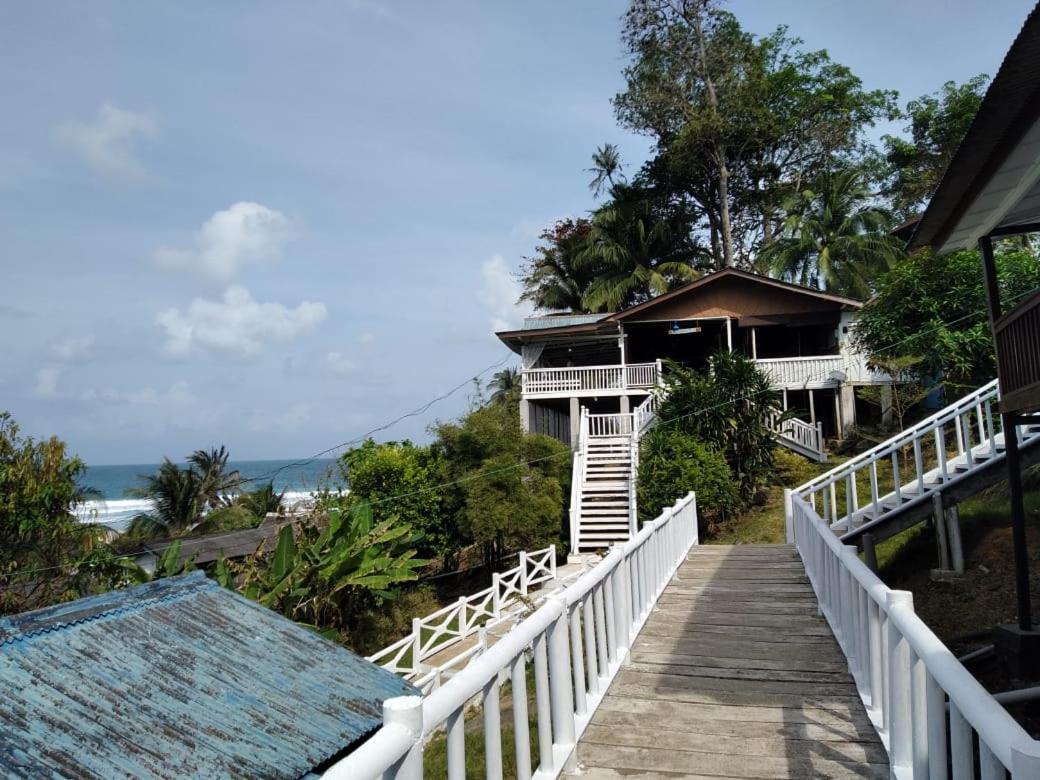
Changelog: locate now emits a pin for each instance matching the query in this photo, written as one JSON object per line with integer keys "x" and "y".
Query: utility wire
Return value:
{"x": 567, "y": 453}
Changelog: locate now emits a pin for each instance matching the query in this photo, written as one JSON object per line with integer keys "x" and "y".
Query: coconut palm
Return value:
{"x": 553, "y": 280}
{"x": 834, "y": 237}
{"x": 216, "y": 482}
{"x": 178, "y": 497}
{"x": 505, "y": 386}
{"x": 637, "y": 251}
{"x": 606, "y": 165}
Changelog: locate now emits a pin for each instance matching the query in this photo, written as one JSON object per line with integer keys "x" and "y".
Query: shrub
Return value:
{"x": 671, "y": 464}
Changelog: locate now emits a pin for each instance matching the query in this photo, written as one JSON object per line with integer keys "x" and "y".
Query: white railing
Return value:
{"x": 808, "y": 438}
{"x": 589, "y": 380}
{"x": 804, "y": 372}
{"x": 610, "y": 424}
{"x": 464, "y": 618}
{"x": 578, "y": 477}
{"x": 645, "y": 414}
{"x": 578, "y": 641}
{"x": 958, "y": 436}
{"x": 925, "y": 705}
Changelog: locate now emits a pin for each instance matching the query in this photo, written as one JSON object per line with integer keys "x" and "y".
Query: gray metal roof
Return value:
{"x": 178, "y": 678}
{"x": 560, "y": 320}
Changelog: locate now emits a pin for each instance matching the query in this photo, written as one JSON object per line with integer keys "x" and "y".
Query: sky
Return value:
{"x": 276, "y": 226}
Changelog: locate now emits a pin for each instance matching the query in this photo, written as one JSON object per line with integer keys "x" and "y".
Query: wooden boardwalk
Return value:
{"x": 733, "y": 675}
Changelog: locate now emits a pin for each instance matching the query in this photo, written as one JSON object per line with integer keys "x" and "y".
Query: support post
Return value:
{"x": 953, "y": 533}
{"x": 525, "y": 415}
{"x": 838, "y": 421}
{"x": 888, "y": 411}
{"x": 406, "y": 712}
{"x": 754, "y": 344}
{"x": 788, "y": 517}
{"x": 941, "y": 536}
{"x": 729, "y": 334}
{"x": 575, "y": 421}
{"x": 812, "y": 406}
{"x": 870, "y": 552}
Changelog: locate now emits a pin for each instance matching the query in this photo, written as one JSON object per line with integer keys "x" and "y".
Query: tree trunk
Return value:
{"x": 727, "y": 232}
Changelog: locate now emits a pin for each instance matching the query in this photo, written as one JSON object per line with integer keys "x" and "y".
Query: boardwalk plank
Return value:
{"x": 735, "y": 675}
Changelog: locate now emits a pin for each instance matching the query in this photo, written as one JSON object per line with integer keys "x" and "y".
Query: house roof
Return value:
{"x": 993, "y": 180}
{"x": 178, "y": 678}
{"x": 730, "y": 273}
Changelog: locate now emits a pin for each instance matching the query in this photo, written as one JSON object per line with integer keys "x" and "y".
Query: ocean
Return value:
{"x": 297, "y": 478}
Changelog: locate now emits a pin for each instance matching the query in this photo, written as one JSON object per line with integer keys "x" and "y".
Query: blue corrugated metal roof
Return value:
{"x": 560, "y": 320}
{"x": 178, "y": 678}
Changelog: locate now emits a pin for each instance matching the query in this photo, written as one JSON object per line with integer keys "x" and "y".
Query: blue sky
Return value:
{"x": 277, "y": 225}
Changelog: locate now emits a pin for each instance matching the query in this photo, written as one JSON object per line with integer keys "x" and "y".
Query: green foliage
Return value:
{"x": 671, "y": 464}
{"x": 506, "y": 488}
{"x": 725, "y": 408}
{"x": 397, "y": 480}
{"x": 740, "y": 121}
{"x": 47, "y": 555}
{"x": 553, "y": 279}
{"x": 505, "y": 387}
{"x": 937, "y": 123}
{"x": 935, "y": 308}
{"x": 328, "y": 577}
{"x": 835, "y": 236}
{"x": 235, "y": 517}
{"x": 262, "y": 501}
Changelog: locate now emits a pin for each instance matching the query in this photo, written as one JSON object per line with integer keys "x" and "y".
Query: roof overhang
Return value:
{"x": 992, "y": 185}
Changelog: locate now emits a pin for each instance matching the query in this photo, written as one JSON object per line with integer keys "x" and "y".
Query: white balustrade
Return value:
{"x": 807, "y": 438}
{"x": 577, "y": 642}
{"x": 805, "y": 372}
{"x": 927, "y": 708}
{"x": 589, "y": 380}
{"x": 464, "y": 618}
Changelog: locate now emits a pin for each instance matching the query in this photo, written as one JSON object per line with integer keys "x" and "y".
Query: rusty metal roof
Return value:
{"x": 178, "y": 678}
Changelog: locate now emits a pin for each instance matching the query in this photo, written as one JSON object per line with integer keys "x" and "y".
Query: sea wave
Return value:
{"x": 116, "y": 513}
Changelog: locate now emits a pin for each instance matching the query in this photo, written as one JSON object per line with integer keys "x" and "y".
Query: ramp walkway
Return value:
{"x": 734, "y": 674}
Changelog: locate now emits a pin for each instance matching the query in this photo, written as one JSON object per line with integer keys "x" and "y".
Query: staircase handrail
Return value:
{"x": 988, "y": 391}
{"x": 578, "y": 476}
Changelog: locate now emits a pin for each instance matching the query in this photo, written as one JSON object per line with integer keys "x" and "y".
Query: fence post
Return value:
{"x": 496, "y": 594}
{"x": 561, "y": 692}
{"x": 406, "y": 712}
{"x": 523, "y": 572}
{"x": 552, "y": 561}
{"x": 1025, "y": 760}
{"x": 788, "y": 517}
{"x": 416, "y": 643}
{"x": 899, "y": 724}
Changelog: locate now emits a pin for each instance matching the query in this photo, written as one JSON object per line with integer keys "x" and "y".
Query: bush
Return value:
{"x": 792, "y": 470}
{"x": 671, "y": 464}
{"x": 726, "y": 409}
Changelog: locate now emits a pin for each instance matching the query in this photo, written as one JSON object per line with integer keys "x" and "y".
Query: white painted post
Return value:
{"x": 496, "y": 594}
{"x": 754, "y": 344}
{"x": 812, "y": 407}
{"x": 521, "y": 737}
{"x": 543, "y": 705}
{"x": 406, "y": 712}
{"x": 416, "y": 643}
{"x": 560, "y": 682}
{"x": 1025, "y": 761}
{"x": 457, "y": 745}
{"x": 552, "y": 561}
{"x": 839, "y": 422}
{"x": 578, "y": 664}
{"x": 729, "y": 334}
{"x": 900, "y": 725}
{"x": 523, "y": 572}
{"x": 492, "y": 730}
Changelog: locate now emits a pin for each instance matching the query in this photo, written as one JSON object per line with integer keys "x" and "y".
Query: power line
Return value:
{"x": 522, "y": 464}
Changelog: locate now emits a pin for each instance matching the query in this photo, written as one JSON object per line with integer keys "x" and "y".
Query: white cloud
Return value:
{"x": 498, "y": 294}
{"x": 237, "y": 325}
{"x": 243, "y": 233}
{"x": 108, "y": 145}
{"x": 47, "y": 381}
{"x": 339, "y": 363}
{"x": 74, "y": 350}
{"x": 178, "y": 394}
{"x": 366, "y": 338}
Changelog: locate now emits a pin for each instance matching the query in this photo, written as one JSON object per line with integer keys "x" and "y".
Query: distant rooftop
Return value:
{"x": 561, "y": 320}
{"x": 178, "y": 678}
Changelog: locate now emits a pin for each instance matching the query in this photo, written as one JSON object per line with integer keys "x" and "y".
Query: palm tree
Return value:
{"x": 834, "y": 237}
{"x": 178, "y": 497}
{"x": 606, "y": 164}
{"x": 638, "y": 254}
{"x": 553, "y": 280}
{"x": 216, "y": 482}
{"x": 505, "y": 386}
{"x": 262, "y": 501}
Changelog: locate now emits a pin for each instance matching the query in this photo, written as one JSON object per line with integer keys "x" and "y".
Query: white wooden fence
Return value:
{"x": 804, "y": 372}
{"x": 927, "y": 708}
{"x": 456, "y": 622}
{"x": 577, "y": 641}
{"x": 807, "y": 438}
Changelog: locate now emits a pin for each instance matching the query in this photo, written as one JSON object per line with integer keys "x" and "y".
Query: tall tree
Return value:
{"x": 740, "y": 121}
{"x": 606, "y": 166}
{"x": 835, "y": 236}
{"x": 937, "y": 123}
